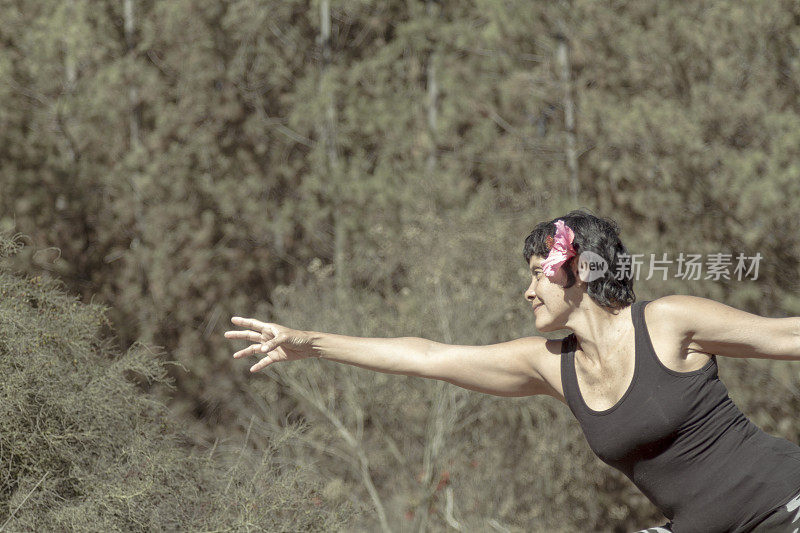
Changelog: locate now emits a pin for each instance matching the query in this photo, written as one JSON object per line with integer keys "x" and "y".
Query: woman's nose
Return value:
{"x": 530, "y": 294}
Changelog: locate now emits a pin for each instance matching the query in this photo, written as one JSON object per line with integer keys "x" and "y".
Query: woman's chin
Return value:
{"x": 544, "y": 325}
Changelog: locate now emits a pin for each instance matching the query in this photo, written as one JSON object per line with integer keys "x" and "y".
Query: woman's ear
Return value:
{"x": 576, "y": 270}
{"x": 583, "y": 272}
{"x": 579, "y": 268}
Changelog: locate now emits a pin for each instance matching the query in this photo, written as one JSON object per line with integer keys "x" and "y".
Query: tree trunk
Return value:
{"x": 569, "y": 117}
{"x": 433, "y": 102}
{"x": 132, "y": 91}
{"x": 334, "y": 172}
{"x": 137, "y": 244}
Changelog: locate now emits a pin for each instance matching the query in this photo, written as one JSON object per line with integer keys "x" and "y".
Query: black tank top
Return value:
{"x": 682, "y": 441}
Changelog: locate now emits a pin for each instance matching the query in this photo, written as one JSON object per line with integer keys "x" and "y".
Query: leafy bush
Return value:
{"x": 83, "y": 448}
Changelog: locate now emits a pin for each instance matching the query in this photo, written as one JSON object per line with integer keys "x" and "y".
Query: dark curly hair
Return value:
{"x": 598, "y": 235}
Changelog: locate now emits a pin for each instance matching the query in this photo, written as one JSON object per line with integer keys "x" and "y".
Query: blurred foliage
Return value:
{"x": 178, "y": 173}
{"x": 83, "y": 449}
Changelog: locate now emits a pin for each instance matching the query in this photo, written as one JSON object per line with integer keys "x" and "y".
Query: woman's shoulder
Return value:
{"x": 664, "y": 319}
{"x": 675, "y": 314}
{"x": 667, "y": 325}
{"x": 677, "y": 304}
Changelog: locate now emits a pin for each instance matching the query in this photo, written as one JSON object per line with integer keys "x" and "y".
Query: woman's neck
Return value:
{"x": 600, "y": 330}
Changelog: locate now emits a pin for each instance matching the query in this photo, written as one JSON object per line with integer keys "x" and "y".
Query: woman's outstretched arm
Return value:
{"x": 712, "y": 327}
{"x": 504, "y": 369}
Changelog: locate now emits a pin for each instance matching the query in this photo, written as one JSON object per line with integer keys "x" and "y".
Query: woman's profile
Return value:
{"x": 640, "y": 377}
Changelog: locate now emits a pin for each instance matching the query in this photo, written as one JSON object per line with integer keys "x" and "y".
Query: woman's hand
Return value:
{"x": 279, "y": 343}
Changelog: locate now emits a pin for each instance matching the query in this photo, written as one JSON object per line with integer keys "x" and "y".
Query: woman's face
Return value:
{"x": 552, "y": 304}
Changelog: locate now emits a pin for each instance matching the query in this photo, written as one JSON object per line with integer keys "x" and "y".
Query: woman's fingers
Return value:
{"x": 260, "y": 347}
{"x": 253, "y": 349}
{"x": 248, "y": 335}
{"x": 268, "y": 337}
{"x": 252, "y": 323}
{"x": 272, "y": 344}
{"x": 262, "y": 364}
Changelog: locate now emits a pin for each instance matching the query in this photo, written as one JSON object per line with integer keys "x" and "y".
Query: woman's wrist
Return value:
{"x": 316, "y": 341}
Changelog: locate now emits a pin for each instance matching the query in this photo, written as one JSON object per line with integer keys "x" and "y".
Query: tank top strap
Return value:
{"x": 569, "y": 380}
{"x": 647, "y": 360}
{"x": 639, "y": 324}
{"x": 637, "y": 314}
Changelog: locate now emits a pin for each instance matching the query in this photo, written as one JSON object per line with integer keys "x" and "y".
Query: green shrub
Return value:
{"x": 83, "y": 448}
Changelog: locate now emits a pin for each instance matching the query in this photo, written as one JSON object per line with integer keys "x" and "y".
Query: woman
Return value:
{"x": 641, "y": 378}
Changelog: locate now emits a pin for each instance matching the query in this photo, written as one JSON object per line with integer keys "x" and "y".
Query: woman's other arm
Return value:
{"x": 715, "y": 328}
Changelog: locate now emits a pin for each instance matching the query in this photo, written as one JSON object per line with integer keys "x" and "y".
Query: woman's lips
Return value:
{"x": 537, "y": 306}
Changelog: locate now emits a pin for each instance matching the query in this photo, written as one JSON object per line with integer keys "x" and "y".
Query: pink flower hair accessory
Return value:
{"x": 560, "y": 249}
